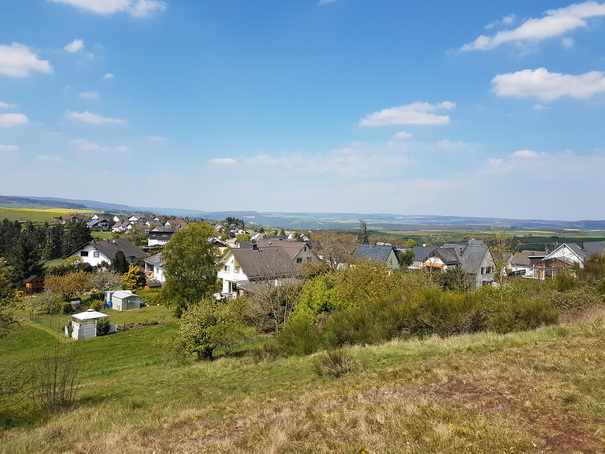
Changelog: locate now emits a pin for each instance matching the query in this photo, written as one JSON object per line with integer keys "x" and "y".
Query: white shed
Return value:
{"x": 84, "y": 324}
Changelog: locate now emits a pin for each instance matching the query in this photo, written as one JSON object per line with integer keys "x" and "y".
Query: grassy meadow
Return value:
{"x": 535, "y": 391}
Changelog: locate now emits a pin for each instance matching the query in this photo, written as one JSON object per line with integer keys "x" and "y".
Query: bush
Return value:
{"x": 446, "y": 314}
{"x": 55, "y": 378}
{"x": 523, "y": 315}
{"x": 565, "y": 281}
{"x": 300, "y": 336}
{"x": 334, "y": 363}
{"x": 67, "y": 308}
{"x": 96, "y": 305}
{"x": 103, "y": 326}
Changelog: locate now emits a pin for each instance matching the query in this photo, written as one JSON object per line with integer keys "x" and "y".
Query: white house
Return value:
{"x": 84, "y": 324}
{"x": 254, "y": 264}
{"x": 96, "y": 252}
{"x": 154, "y": 268}
{"x": 565, "y": 257}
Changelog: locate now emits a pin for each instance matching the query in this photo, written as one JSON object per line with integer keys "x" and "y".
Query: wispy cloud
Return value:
{"x": 94, "y": 119}
{"x": 87, "y": 145}
{"x": 6, "y": 105}
{"x": 158, "y": 139}
{"x": 49, "y": 159}
{"x": 547, "y": 86}
{"x": 75, "y": 46}
{"x": 403, "y": 135}
{"x": 135, "y": 8}
{"x": 8, "y": 148}
{"x": 417, "y": 113}
{"x": 17, "y": 60}
{"x": 89, "y": 95}
{"x": 222, "y": 162}
{"x": 10, "y": 120}
{"x": 108, "y": 76}
{"x": 556, "y": 22}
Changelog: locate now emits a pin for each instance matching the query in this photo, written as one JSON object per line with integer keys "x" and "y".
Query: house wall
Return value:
{"x": 392, "y": 262}
{"x": 305, "y": 255}
{"x": 91, "y": 255}
{"x": 84, "y": 330}
{"x": 485, "y": 274}
{"x": 230, "y": 273}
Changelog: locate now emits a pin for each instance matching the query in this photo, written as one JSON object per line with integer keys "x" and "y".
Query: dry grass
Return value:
{"x": 535, "y": 392}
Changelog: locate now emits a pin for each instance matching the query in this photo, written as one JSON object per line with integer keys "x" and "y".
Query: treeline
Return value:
{"x": 25, "y": 245}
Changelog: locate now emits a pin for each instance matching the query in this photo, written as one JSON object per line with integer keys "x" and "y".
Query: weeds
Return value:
{"x": 334, "y": 363}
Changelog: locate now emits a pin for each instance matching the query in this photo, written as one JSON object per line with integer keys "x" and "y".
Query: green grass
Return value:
{"x": 536, "y": 391}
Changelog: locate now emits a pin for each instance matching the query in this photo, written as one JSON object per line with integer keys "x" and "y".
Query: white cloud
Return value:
{"x": 158, "y": 139}
{"x": 75, "y": 46}
{"x": 135, "y": 8}
{"x": 222, "y": 162}
{"x": 87, "y": 145}
{"x": 556, "y": 22}
{"x": 12, "y": 119}
{"x": 8, "y": 148}
{"x": 568, "y": 43}
{"x": 403, "y": 135}
{"x": 5, "y": 105}
{"x": 49, "y": 159}
{"x": 506, "y": 20}
{"x": 89, "y": 95}
{"x": 417, "y": 113}
{"x": 108, "y": 76}
{"x": 546, "y": 86}
{"x": 94, "y": 119}
{"x": 17, "y": 60}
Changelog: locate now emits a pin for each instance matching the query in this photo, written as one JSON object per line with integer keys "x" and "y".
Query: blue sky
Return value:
{"x": 468, "y": 108}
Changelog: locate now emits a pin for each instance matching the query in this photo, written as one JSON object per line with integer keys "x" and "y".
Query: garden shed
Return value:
{"x": 84, "y": 324}
{"x": 123, "y": 300}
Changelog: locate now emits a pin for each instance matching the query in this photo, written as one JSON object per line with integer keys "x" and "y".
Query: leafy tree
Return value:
{"x": 411, "y": 243}
{"x": 362, "y": 237}
{"x": 106, "y": 280}
{"x": 272, "y": 305}
{"x": 406, "y": 258}
{"x": 502, "y": 248}
{"x": 119, "y": 263}
{"x": 190, "y": 266}
{"x": 211, "y": 324}
{"x": 70, "y": 284}
{"x": 134, "y": 278}
{"x": 6, "y": 299}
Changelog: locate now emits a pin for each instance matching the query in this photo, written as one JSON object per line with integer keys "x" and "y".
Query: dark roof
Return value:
{"x": 522, "y": 258}
{"x": 266, "y": 262}
{"x": 374, "y": 252}
{"x": 31, "y": 278}
{"x": 292, "y": 248}
{"x": 155, "y": 260}
{"x": 422, "y": 253}
{"x": 110, "y": 247}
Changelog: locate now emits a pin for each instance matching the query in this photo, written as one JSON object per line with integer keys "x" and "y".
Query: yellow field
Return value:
{"x": 37, "y": 215}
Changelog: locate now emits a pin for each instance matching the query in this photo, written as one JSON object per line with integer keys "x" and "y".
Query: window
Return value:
{"x": 299, "y": 260}
{"x": 226, "y": 268}
{"x": 237, "y": 269}
{"x": 84, "y": 254}
{"x": 95, "y": 254}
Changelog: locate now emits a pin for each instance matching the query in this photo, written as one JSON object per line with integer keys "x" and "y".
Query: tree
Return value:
{"x": 406, "y": 258}
{"x": 502, "y": 248}
{"x": 210, "y": 324}
{"x": 106, "y": 280}
{"x": 332, "y": 247}
{"x": 190, "y": 266}
{"x": 6, "y": 299}
{"x": 25, "y": 258}
{"x": 75, "y": 234}
{"x": 272, "y": 305}
{"x": 411, "y": 243}
{"x": 119, "y": 263}
{"x": 362, "y": 237}
{"x": 134, "y": 278}
{"x": 70, "y": 284}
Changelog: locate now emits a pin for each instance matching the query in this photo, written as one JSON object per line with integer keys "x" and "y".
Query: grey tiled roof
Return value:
{"x": 266, "y": 262}
{"x": 374, "y": 252}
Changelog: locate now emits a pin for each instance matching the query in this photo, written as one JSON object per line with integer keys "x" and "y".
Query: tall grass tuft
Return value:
{"x": 334, "y": 363}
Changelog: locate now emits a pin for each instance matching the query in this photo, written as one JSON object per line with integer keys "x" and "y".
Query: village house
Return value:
{"x": 523, "y": 263}
{"x": 243, "y": 266}
{"x": 98, "y": 252}
{"x": 568, "y": 255}
{"x": 474, "y": 258}
{"x": 160, "y": 236}
{"x": 154, "y": 268}
{"x": 383, "y": 254}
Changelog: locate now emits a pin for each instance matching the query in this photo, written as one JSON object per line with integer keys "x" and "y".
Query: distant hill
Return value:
{"x": 300, "y": 220}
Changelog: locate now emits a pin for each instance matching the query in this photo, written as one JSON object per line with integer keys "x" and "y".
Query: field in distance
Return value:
{"x": 37, "y": 215}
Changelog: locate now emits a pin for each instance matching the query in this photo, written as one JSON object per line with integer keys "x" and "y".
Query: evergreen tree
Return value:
{"x": 75, "y": 235}
{"x": 119, "y": 263}
{"x": 25, "y": 259}
{"x": 363, "y": 238}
